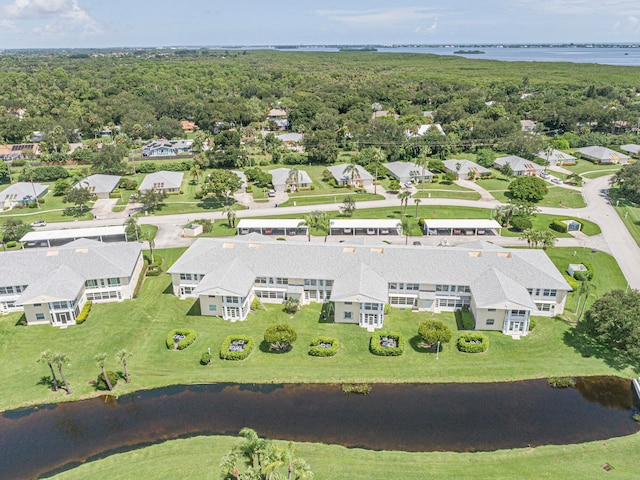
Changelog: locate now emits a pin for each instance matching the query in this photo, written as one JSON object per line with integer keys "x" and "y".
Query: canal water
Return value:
{"x": 442, "y": 417}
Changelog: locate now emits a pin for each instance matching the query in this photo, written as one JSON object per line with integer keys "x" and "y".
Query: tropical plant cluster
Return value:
{"x": 387, "y": 344}
{"x": 472, "y": 343}
{"x": 324, "y": 347}
{"x": 180, "y": 338}
{"x": 227, "y": 353}
{"x": 280, "y": 337}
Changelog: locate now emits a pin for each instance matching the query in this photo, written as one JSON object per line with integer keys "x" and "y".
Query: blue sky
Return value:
{"x": 106, "y": 23}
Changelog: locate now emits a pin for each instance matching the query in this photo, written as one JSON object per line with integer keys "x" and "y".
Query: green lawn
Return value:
{"x": 52, "y": 210}
{"x": 141, "y": 326}
{"x": 629, "y": 213}
{"x": 608, "y": 275}
{"x": 317, "y": 199}
{"x": 541, "y": 221}
{"x": 199, "y": 458}
{"x": 583, "y": 166}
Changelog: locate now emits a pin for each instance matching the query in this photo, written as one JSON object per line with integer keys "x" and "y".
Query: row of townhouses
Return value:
{"x": 52, "y": 285}
{"x": 502, "y": 287}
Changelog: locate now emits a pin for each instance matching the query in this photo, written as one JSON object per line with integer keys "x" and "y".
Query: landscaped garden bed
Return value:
{"x": 180, "y": 338}
{"x": 387, "y": 344}
{"x": 324, "y": 347}
{"x": 473, "y": 343}
{"x": 236, "y": 347}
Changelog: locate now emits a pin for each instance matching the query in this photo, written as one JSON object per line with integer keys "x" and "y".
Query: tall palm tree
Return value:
{"x": 547, "y": 239}
{"x": 417, "y": 202}
{"x": 195, "y": 172}
{"x": 59, "y": 359}
{"x": 123, "y": 357}
{"x": 324, "y": 224}
{"x": 230, "y": 212}
{"x": 378, "y": 156}
{"x": 586, "y": 288}
{"x": 404, "y": 199}
{"x": 48, "y": 358}
{"x": 294, "y": 177}
{"x": 406, "y": 228}
{"x": 99, "y": 359}
{"x": 352, "y": 170}
{"x": 423, "y": 161}
{"x": 252, "y": 448}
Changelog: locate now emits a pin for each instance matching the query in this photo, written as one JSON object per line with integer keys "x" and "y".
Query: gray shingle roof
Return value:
{"x": 519, "y": 164}
{"x": 280, "y": 176}
{"x": 234, "y": 278}
{"x": 465, "y": 166}
{"x": 407, "y": 169}
{"x": 555, "y": 155}
{"x": 61, "y": 283}
{"x": 362, "y": 283}
{"x": 495, "y": 289}
{"x": 394, "y": 263}
{"x": 100, "y": 183}
{"x": 338, "y": 172}
{"x": 89, "y": 259}
{"x": 172, "y": 180}
{"x": 602, "y": 153}
{"x": 18, "y": 191}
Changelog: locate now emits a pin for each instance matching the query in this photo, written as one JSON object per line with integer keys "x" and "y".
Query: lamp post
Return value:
{"x": 437, "y": 349}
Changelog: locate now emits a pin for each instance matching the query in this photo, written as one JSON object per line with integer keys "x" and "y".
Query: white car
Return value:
{"x": 556, "y": 180}
{"x": 39, "y": 223}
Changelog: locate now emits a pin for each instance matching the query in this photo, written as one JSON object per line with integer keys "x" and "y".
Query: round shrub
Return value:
{"x": 182, "y": 336}
{"x": 205, "y": 359}
{"x": 101, "y": 384}
{"x": 280, "y": 337}
{"x": 324, "y": 347}
{"x": 473, "y": 343}
{"x": 387, "y": 344}
{"x": 433, "y": 331}
{"x": 236, "y": 347}
{"x": 11, "y": 244}
{"x": 520, "y": 223}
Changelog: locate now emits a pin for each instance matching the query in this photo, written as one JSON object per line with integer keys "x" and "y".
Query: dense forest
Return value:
{"x": 328, "y": 96}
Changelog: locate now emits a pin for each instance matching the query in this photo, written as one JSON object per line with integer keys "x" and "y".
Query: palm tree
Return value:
{"x": 352, "y": 170}
{"x": 229, "y": 465}
{"x": 99, "y": 359}
{"x": 47, "y": 357}
{"x": 423, "y": 161}
{"x": 586, "y": 288}
{"x": 195, "y": 172}
{"x": 505, "y": 212}
{"x": 548, "y": 240}
{"x": 297, "y": 468}
{"x": 294, "y": 177}
{"x": 306, "y": 223}
{"x": 59, "y": 359}
{"x": 404, "y": 199}
{"x": 324, "y": 224}
{"x": 406, "y": 228}
{"x": 230, "y": 212}
{"x": 417, "y": 202}
{"x": 378, "y": 156}
{"x": 528, "y": 234}
{"x": 123, "y": 356}
{"x": 252, "y": 448}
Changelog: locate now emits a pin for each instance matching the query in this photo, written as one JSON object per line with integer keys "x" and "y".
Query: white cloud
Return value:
{"x": 60, "y": 15}
{"x": 380, "y": 18}
{"x": 580, "y": 7}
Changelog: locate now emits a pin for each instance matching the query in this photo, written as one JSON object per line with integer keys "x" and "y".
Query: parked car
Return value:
{"x": 545, "y": 175}
{"x": 556, "y": 180}
{"x": 271, "y": 193}
{"x": 39, "y": 223}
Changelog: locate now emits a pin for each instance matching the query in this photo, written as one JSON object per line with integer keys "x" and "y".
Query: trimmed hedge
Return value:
{"x": 473, "y": 343}
{"x": 558, "y": 226}
{"x": 225, "y": 354}
{"x": 206, "y": 358}
{"x": 377, "y": 349}
{"x": 84, "y": 313}
{"x": 101, "y": 384}
{"x": 316, "y": 351}
{"x": 573, "y": 283}
{"x": 468, "y": 322}
{"x": 189, "y": 338}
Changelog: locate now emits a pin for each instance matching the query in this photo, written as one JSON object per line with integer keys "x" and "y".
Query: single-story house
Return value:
{"x": 406, "y": 172}
{"x": 555, "y": 157}
{"x": 291, "y": 138}
{"x": 52, "y": 285}
{"x": 19, "y": 151}
{"x": 424, "y": 128}
{"x": 167, "y": 148}
{"x": 279, "y": 117}
{"x": 272, "y": 226}
{"x": 502, "y": 287}
{"x": 603, "y": 155}
{"x": 282, "y": 180}
{"x": 384, "y": 114}
{"x": 631, "y": 148}
{"x": 188, "y": 127}
{"x": 462, "y": 168}
{"x": 100, "y": 185}
{"x": 162, "y": 181}
{"x": 528, "y": 125}
{"x": 21, "y": 193}
{"x": 519, "y": 165}
{"x": 359, "y": 177}
{"x": 56, "y": 238}
{"x": 365, "y": 226}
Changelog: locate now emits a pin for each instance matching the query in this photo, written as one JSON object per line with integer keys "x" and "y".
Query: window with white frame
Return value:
{"x": 490, "y": 321}
{"x": 39, "y": 316}
{"x": 185, "y": 276}
{"x": 548, "y": 292}
{"x": 114, "y": 282}
{"x": 545, "y": 307}
{"x": 212, "y": 307}
{"x": 348, "y": 315}
{"x": 414, "y": 287}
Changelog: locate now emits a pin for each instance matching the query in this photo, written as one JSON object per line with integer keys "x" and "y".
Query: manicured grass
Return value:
{"x": 497, "y": 183}
{"x": 583, "y": 166}
{"x": 562, "y": 197}
{"x": 463, "y": 194}
{"x": 52, "y": 210}
{"x": 199, "y": 458}
{"x": 629, "y": 213}
{"x": 141, "y": 327}
{"x": 324, "y": 199}
{"x": 598, "y": 174}
{"x": 608, "y": 275}
{"x": 541, "y": 221}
